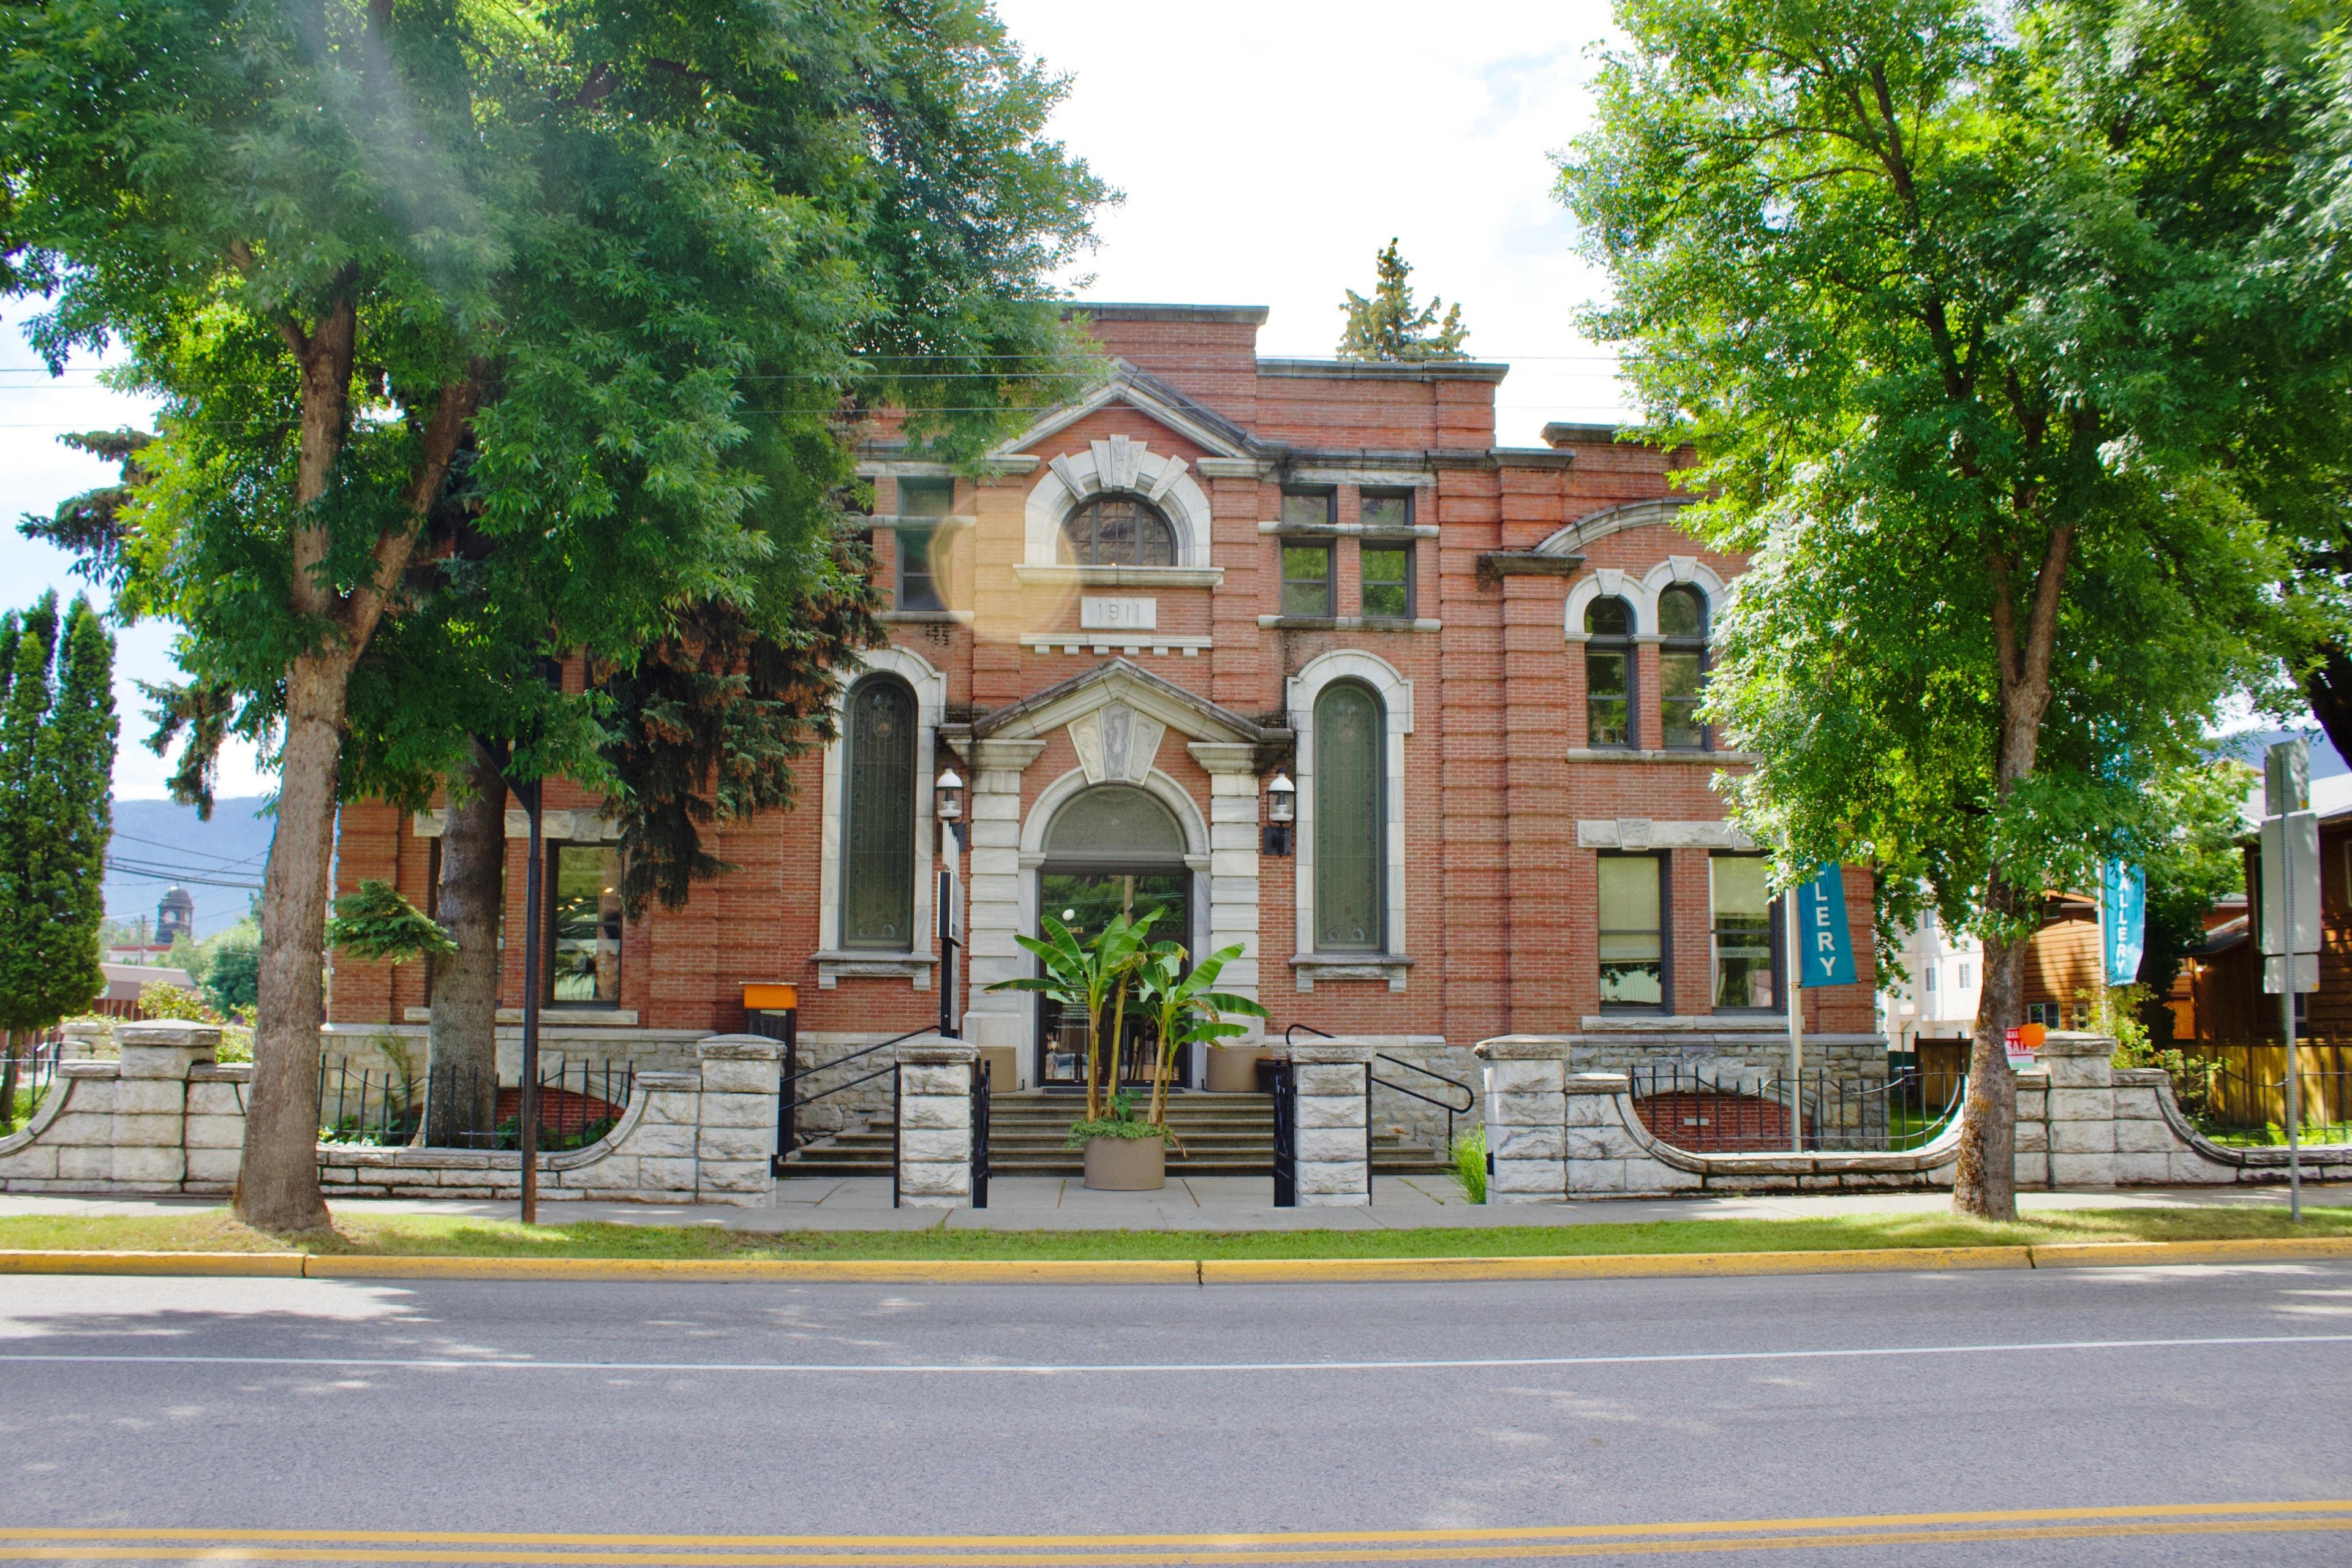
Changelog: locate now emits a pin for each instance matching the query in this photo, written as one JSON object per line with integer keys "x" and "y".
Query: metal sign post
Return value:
{"x": 1796, "y": 1030}
{"x": 2290, "y": 921}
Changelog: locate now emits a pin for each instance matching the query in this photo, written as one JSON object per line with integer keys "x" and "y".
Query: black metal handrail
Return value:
{"x": 1469, "y": 1096}
{"x": 1310, "y": 1028}
{"x": 787, "y": 1105}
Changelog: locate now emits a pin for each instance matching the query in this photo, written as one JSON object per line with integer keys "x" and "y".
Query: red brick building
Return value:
{"x": 1477, "y": 665}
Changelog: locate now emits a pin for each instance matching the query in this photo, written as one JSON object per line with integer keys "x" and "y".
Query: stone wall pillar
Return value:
{"x": 994, "y": 904}
{"x": 2082, "y": 1108}
{"x": 150, "y": 1097}
{"x": 1526, "y": 1100}
{"x": 1335, "y": 1122}
{"x": 735, "y": 1122}
{"x": 935, "y": 1123}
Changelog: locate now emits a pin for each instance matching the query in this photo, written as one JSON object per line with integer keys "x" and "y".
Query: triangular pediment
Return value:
{"x": 1125, "y": 683}
{"x": 1148, "y": 395}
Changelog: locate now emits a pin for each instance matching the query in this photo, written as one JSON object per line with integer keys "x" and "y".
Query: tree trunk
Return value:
{"x": 278, "y": 1186}
{"x": 2329, "y": 688}
{"x": 1985, "y": 1184}
{"x": 8, "y": 1077}
{"x": 464, "y": 1032}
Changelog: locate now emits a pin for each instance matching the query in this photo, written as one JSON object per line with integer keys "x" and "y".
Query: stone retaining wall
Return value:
{"x": 165, "y": 1117}
{"x": 1556, "y": 1133}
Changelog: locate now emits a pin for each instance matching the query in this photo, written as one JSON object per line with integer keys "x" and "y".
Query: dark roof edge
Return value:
{"x": 1115, "y": 311}
{"x": 1386, "y": 370}
{"x": 1562, "y": 431}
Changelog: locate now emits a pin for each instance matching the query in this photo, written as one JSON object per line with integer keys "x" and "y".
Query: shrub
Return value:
{"x": 175, "y": 1002}
{"x": 1470, "y": 1164}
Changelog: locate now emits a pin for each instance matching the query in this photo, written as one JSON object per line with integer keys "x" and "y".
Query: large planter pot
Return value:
{"x": 1126, "y": 1165}
{"x": 1232, "y": 1069}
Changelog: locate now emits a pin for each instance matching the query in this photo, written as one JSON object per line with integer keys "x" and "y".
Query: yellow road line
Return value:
{"x": 1607, "y": 1266}
{"x": 1552, "y": 1551}
{"x": 1206, "y": 1538}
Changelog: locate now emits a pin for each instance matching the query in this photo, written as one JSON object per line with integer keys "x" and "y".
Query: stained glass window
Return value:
{"x": 877, "y": 884}
{"x": 1350, "y": 824}
{"x": 1120, "y": 531}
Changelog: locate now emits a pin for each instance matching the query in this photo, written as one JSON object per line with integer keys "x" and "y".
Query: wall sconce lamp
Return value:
{"x": 1281, "y": 811}
{"x": 947, "y": 804}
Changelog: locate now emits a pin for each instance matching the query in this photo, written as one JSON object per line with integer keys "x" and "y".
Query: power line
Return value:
{"x": 226, "y": 864}
{"x": 174, "y": 874}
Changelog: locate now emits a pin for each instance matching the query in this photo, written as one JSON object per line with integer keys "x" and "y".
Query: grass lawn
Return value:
{"x": 213, "y": 1230}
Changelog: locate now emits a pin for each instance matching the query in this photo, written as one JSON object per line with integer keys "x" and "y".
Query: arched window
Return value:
{"x": 1682, "y": 663}
{"x": 1118, "y": 530}
{"x": 1609, "y": 674}
{"x": 877, "y": 807}
{"x": 1350, "y": 820}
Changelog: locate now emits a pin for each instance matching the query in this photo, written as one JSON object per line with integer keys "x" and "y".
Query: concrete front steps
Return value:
{"x": 1217, "y": 1135}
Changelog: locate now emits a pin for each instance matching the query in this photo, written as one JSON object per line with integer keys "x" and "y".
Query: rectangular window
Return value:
{"x": 918, "y": 574}
{"x": 1387, "y": 510}
{"x": 1743, "y": 932}
{"x": 1307, "y": 508}
{"x": 1632, "y": 932}
{"x": 1305, "y": 577}
{"x": 2043, "y": 1013}
{"x": 1388, "y": 582}
{"x": 926, "y": 498}
{"x": 583, "y": 966}
{"x": 1681, "y": 673}
{"x": 1927, "y": 981}
{"x": 1608, "y": 695}
{"x": 1964, "y": 981}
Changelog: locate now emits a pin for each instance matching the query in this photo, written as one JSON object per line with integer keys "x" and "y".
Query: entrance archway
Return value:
{"x": 1111, "y": 849}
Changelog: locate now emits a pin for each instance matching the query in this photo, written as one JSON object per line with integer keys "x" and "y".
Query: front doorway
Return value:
{"x": 1112, "y": 851}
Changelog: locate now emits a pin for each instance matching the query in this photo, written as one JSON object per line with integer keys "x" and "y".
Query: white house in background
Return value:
{"x": 1938, "y": 1001}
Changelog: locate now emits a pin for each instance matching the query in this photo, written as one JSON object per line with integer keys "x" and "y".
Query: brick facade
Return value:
{"x": 1503, "y": 806}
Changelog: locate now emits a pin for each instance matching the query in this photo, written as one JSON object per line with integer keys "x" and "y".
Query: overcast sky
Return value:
{"x": 1266, "y": 151}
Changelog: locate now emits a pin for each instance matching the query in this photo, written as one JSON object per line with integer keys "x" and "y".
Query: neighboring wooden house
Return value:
{"x": 2224, "y": 979}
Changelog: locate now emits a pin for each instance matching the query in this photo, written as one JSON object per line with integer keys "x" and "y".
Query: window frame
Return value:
{"x": 1327, "y": 495}
{"x": 1327, "y": 548}
{"x": 857, "y": 806}
{"x": 1388, "y": 543}
{"x": 910, "y": 538}
{"x": 1405, "y": 493}
{"x": 1775, "y": 930}
{"x": 1092, "y": 505}
{"x": 1664, "y": 859}
{"x": 1623, "y": 645}
{"x": 1684, "y": 645}
{"x": 555, "y": 851}
{"x": 1375, "y": 831}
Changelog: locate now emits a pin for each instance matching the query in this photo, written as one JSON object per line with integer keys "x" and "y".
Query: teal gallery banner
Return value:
{"x": 1823, "y": 938}
{"x": 2124, "y": 921}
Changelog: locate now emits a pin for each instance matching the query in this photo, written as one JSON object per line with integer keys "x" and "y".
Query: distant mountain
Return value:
{"x": 157, "y": 845}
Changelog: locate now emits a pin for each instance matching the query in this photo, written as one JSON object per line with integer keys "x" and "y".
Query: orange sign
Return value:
{"x": 761, "y": 997}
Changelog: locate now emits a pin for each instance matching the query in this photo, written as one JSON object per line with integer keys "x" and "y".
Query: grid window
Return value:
{"x": 1743, "y": 932}
{"x": 1927, "y": 981}
{"x": 1388, "y": 582}
{"x": 583, "y": 968}
{"x": 1682, "y": 665}
{"x": 1964, "y": 978}
{"x": 1632, "y": 932}
{"x": 1387, "y": 510}
{"x": 1609, "y": 674}
{"x": 1307, "y": 578}
{"x": 919, "y": 572}
{"x": 1120, "y": 531}
{"x": 1307, "y": 508}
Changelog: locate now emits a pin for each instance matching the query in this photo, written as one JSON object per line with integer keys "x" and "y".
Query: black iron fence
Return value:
{"x": 1714, "y": 1112}
{"x": 2236, "y": 1091}
{"x": 579, "y": 1102}
{"x": 26, "y": 1076}
{"x": 791, "y": 1102}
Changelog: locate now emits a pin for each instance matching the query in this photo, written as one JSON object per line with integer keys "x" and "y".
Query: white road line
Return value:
{"x": 1046, "y": 1369}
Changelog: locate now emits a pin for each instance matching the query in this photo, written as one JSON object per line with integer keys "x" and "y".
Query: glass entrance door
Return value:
{"x": 1086, "y": 901}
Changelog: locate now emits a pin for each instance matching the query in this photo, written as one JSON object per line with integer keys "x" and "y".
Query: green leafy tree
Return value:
{"x": 1390, "y": 326}
{"x": 1900, "y": 275}
{"x": 1186, "y": 1009}
{"x": 232, "y": 982}
{"x": 56, "y": 765}
{"x": 2188, "y": 869}
{"x": 591, "y": 276}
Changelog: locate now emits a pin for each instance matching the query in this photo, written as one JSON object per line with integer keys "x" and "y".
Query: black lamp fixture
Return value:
{"x": 1281, "y": 811}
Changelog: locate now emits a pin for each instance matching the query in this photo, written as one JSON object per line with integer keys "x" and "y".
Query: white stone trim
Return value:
{"x": 1643, "y": 833}
{"x": 1395, "y": 694}
{"x": 1119, "y": 463}
{"x": 930, "y": 688}
{"x": 1642, "y": 593}
{"x": 1656, "y": 511}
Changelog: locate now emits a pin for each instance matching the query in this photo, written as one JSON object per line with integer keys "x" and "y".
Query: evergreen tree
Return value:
{"x": 56, "y": 762}
{"x": 1389, "y": 327}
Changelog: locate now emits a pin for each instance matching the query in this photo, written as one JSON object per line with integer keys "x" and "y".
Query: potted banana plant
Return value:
{"x": 1187, "y": 1008}
{"x": 1096, "y": 976}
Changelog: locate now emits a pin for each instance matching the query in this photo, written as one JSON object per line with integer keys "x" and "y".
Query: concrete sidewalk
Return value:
{"x": 1202, "y": 1203}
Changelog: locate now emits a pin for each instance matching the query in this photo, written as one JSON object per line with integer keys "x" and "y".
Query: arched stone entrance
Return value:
{"x": 1111, "y": 849}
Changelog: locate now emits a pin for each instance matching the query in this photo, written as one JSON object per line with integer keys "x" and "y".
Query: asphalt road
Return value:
{"x": 1853, "y": 1419}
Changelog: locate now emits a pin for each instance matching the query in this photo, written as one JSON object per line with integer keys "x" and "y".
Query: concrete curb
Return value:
{"x": 1182, "y": 1271}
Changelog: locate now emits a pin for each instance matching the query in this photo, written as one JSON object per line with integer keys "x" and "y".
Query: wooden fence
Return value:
{"x": 2250, "y": 1090}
